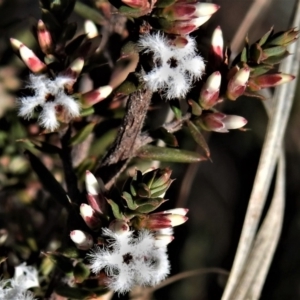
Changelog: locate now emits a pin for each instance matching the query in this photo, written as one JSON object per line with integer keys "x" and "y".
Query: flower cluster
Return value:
{"x": 176, "y": 64}
{"x": 130, "y": 260}
{"x": 130, "y": 250}
{"x": 16, "y": 288}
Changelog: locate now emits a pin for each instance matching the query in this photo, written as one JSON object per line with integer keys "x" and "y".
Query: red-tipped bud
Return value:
{"x": 81, "y": 239}
{"x": 91, "y": 98}
{"x": 219, "y": 122}
{"x": 162, "y": 240}
{"x": 187, "y": 11}
{"x": 16, "y": 44}
{"x": 175, "y": 211}
{"x": 160, "y": 221}
{"x": 119, "y": 226}
{"x": 217, "y": 42}
{"x": 238, "y": 83}
{"x": 90, "y": 216}
{"x": 95, "y": 195}
{"x": 44, "y": 37}
{"x": 210, "y": 92}
{"x": 75, "y": 68}
{"x": 183, "y": 27}
{"x": 31, "y": 60}
{"x": 136, "y": 3}
{"x": 269, "y": 80}
{"x": 90, "y": 29}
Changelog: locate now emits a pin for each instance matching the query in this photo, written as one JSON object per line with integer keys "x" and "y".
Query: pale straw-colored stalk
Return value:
{"x": 283, "y": 99}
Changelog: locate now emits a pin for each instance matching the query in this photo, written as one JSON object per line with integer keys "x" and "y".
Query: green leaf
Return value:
{"x": 274, "y": 51}
{"x": 73, "y": 292}
{"x": 118, "y": 214}
{"x": 169, "y": 154}
{"x": 62, "y": 262}
{"x": 48, "y": 180}
{"x": 162, "y": 134}
{"x": 198, "y": 137}
{"x": 260, "y": 70}
{"x": 273, "y": 60}
{"x": 40, "y": 145}
{"x": 87, "y": 111}
{"x": 175, "y": 106}
{"x": 89, "y": 13}
{"x": 82, "y": 134}
{"x": 266, "y": 36}
{"x": 81, "y": 272}
{"x": 130, "y": 203}
{"x": 244, "y": 56}
{"x": 150, "y": 205}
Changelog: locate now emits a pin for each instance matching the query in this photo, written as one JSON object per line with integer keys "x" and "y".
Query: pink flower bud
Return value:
{"x": 269, "y": 80}
{"x": 31, "y": 60}
{"x": 219, "y": 122}
{"x": 210, "y": 91}
{"x": 238, "y": 83}
{"x": 44, "y": 37}
{"x": 217, "y": 42}
{"x": 159, "y": 221}
{"x": 81, "y": 239}
{"x": 95, "y": 96}
{"x": 95, "y": 195}
{"x": 119, "y": 226}
{"x": 75, "y": 68}
{"x": 142, "y": 4}
{"x": 90, "y": 216}
{"x": 205, "y": 9}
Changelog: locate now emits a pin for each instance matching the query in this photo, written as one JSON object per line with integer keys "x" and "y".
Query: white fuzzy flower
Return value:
{"x": 175, "y": 68}
{"x": 130, "y": 260}
{"x": 26, "y": 277}
{"x": 52, "y": 99}
{"x": 16, "y": 288}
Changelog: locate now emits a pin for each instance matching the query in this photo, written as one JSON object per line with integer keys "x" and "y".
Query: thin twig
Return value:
{"x": 270, "y": 152}
{"x": 177, "y": 277}
{"x": 123, "y": 148}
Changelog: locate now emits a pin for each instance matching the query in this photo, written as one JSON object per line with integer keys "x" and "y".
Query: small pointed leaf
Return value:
{"x": 116, "y": 209}
{"x": 82, "y": 134}
{"x": 169, "y": 154}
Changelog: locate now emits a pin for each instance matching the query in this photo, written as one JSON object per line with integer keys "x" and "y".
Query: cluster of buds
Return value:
{"x": 181, "y": 17}
{"x": 53, "y": 78}
{"x": 91, "y": 212}
{"x": 145, "y": 192}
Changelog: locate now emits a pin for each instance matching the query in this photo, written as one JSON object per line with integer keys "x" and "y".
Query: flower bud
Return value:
{"x": 269, "y": 80}
{"x": 31, "y": 60}
{"x": 209, "y": 94}
{"x": 44, "y": 37}
{"x": 90, "y": 216}
{"x": 81, "y": 239}
{"x": 75, "y": 68}
{"x": 159, "y": 221}
{"x": 217, "y": 42}
{"x": 175, "y": 211}
{"x": 238, "y": 83}
{"x": 118, "y": 226}
{"x": 142, "y": 4}
{"x": 219, "y": 122}
{"x": 90, "y": 29}
{"x": 95, "y": 196}
{"x": 16, "y": 44}
{"x": 95, "y": 96}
